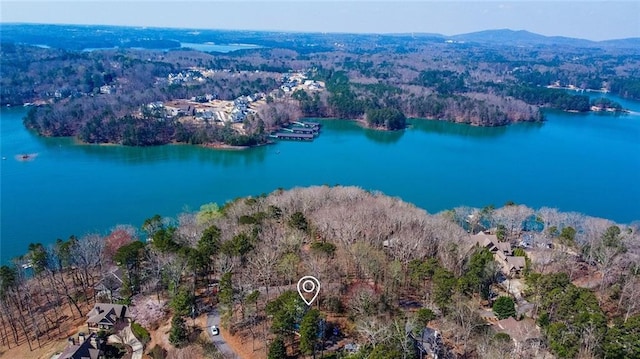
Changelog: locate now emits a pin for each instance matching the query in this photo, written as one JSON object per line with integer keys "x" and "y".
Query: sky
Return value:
{"x": 593, "y": 20}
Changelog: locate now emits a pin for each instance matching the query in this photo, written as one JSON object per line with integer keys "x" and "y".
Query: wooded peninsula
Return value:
{"x": 397, "y": 282}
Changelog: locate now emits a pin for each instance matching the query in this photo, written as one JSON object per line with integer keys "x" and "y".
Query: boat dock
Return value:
{"x": 300, "y": 131}
{"x": 305, "y": 130}
{"x": 293, "y": 136}
{"x": 308, "y": 124}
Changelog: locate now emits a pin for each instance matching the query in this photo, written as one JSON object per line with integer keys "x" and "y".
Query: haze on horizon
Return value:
{"x": 593, "y": 20}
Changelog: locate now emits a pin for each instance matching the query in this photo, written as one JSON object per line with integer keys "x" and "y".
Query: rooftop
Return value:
{"x": 519, "y": 331}
{"x": 85, "y": 349}
{"x": 109, "y": 314}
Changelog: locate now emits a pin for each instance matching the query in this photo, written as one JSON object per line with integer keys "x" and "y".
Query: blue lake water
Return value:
{"x": 224, "y": 48}
{"x": 588, "y": 163}
{"x": 206, "y": 47}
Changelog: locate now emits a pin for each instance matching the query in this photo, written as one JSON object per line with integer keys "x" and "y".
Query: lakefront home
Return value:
{"x": 108, "y": 288}
{"x": 502, "y": 253}
{"x": 106, "y": 317}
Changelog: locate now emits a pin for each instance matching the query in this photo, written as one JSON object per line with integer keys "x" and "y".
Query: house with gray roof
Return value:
{"x": 105, "y": 316}
{"x": 87, "y": 347}
{"x": 108, "y": 288}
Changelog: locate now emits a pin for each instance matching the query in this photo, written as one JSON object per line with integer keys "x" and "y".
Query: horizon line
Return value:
{"x": 410, "y": 33}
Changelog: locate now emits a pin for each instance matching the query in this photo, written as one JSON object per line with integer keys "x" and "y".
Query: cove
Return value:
{"x": 588, "y": 163}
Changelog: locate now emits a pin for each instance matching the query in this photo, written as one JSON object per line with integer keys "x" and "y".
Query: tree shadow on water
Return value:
{"x": 384, "y": 137}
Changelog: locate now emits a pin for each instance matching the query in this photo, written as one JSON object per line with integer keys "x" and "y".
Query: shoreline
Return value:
{"x": 363, "y": 123}
{"x": 222, "y": 146}
{"x": 225, "y": 147}
{"x": 212, "y": 145}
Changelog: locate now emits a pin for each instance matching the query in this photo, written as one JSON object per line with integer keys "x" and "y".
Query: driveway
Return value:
{"x": 213, "y": 318}
{"x": 125, "y": 336}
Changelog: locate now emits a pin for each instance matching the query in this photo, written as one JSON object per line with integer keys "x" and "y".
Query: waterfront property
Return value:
{"x": 300, "y": 131}
{"x": 435, "y": 165}
{"x": 294, "y": 136}
{"x": 109, "y": 286}
{"x": 305, "y": 130}
{"x": 502, "y": 253}
{"x": 309, "y": 124}
{"x": 106, "y": 317}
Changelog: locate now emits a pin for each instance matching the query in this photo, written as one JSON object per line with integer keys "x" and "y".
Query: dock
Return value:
{"x": 294, "y": 136}
{"x": 306, "y": 130}
{"x": 300, "y": 131}
{"x": 308, "y": 124}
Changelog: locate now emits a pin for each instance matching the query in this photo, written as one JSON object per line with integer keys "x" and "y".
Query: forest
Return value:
{"x": 484, "y": 84}
{"x": 389, "y": 271}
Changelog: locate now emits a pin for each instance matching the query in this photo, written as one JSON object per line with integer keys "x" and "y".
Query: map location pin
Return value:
{"x": 308, "y": 287}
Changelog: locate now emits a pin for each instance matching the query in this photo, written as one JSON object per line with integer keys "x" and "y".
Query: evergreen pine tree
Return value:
{"x": 178, "y": 335}
{"x": 277, "y": 350}
{"x": 504, "y": 308}
{"x": 309, "y": 331}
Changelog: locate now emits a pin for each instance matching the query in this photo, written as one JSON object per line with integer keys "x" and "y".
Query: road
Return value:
{"x": 213, "y": 318}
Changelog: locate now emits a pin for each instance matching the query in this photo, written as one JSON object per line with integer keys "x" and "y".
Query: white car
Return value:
{"x": 214, "y": 330}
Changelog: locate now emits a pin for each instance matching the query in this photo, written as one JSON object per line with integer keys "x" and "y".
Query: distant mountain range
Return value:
{"x": 526, "y": 38}
{"x": 78, "y": 37}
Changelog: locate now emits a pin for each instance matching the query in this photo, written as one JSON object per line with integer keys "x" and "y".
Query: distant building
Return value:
{"x": 313, "y": 85}
{"x": 172, "y": 111}
{"x": 207, "y": 115}
{"x": 155, "y": 105}
{"x": 106, "y": 89}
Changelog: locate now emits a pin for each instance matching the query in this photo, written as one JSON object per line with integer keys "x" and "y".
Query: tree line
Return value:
{"x": 458, "y": 85}
{"x": 457, "y": 104}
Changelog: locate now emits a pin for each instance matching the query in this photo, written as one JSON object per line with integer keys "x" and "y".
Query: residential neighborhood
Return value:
{"x": 202, "y": 193}
{"x": 208, "y": 109}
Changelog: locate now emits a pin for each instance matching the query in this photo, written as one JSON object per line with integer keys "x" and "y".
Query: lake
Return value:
{"x": 588, "y": 163}
{"x": 206, "y": 47}
{"x": 224, "y": 48}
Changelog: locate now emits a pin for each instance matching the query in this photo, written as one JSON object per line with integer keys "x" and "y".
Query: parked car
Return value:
{"x": 214, "y": 330}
